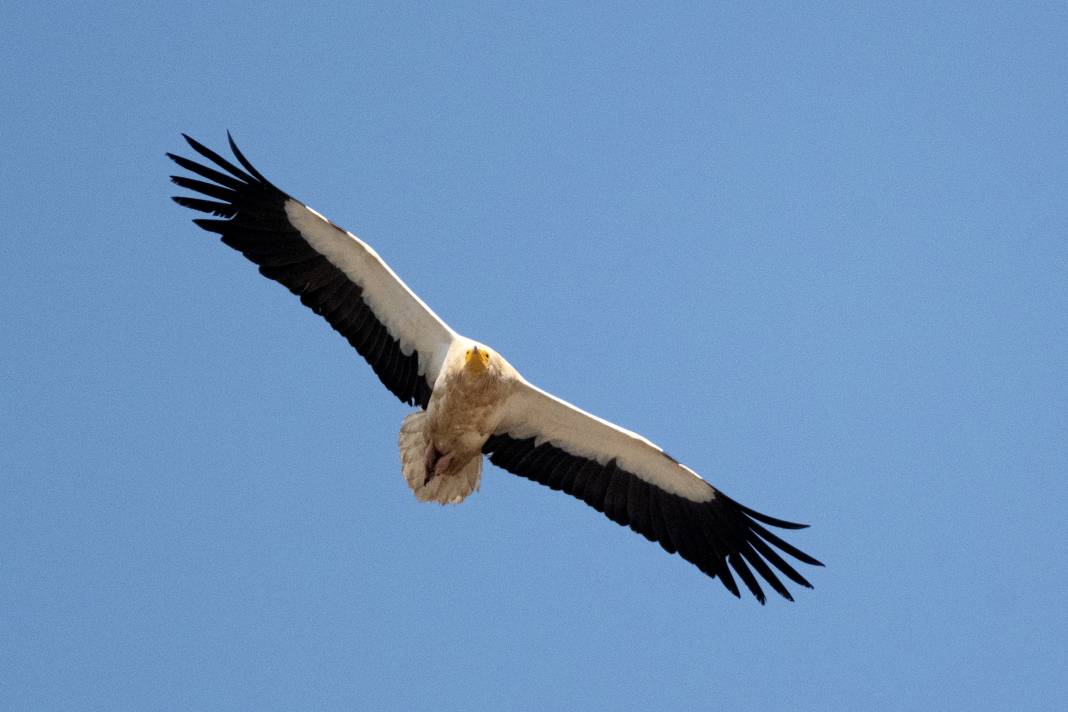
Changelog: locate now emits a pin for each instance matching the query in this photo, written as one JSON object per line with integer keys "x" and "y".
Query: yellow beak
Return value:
{"x": 476, "y": 359}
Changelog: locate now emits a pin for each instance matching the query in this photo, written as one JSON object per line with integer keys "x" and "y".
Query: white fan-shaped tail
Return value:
{"x": 446, "y": 489}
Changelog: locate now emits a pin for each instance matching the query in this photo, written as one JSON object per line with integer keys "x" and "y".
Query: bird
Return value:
{"x": 471, "y": 403}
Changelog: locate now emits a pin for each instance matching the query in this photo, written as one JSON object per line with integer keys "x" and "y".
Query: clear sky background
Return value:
{"x": 818, "y": 253}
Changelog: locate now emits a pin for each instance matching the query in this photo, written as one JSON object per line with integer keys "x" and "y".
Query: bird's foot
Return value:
{"x": 437, "y": 463}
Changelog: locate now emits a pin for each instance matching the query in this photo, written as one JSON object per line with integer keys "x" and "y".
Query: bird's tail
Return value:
{"x": 446, "y": 488}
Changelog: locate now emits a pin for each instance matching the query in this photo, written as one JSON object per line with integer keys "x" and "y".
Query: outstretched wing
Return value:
{"x": 332, "y": 271}
{"x": 635, "y": 483}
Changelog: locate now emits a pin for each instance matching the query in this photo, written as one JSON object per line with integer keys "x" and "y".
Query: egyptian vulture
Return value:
{"x": 473, "y": 402}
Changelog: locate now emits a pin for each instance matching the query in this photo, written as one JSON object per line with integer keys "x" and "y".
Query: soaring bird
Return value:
{"x": 472, "y": 402}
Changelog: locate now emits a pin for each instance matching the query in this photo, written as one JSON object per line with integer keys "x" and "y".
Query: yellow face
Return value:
{"x": 476, "y": 359}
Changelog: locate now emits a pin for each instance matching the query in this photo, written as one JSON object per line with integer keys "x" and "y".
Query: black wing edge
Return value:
{"x": 253, "y": 221}
{"x": 715, "y": 536}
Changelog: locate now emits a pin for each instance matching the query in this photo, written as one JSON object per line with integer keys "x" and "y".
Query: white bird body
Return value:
{"x": 473, "y": 401}
{"x": 441, "y": 449}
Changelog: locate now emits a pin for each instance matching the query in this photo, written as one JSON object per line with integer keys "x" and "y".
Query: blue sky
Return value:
{"x": 818, "y": 253}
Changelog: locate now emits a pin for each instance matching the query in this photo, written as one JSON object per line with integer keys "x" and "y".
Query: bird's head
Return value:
{"x": 476, "y": 359}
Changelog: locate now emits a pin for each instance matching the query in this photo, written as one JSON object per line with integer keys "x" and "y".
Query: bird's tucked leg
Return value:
{"x": 436, "y": 463}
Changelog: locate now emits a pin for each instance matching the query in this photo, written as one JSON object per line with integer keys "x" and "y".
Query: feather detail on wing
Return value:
{"x": 635, "y": 483}
{"x": 333, "y": 272}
